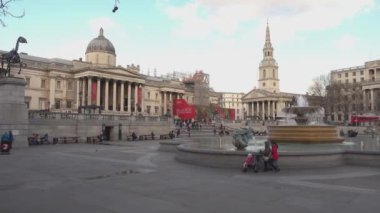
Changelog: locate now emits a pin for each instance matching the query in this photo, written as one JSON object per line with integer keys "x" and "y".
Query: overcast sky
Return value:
{"x": 221, "y": 37}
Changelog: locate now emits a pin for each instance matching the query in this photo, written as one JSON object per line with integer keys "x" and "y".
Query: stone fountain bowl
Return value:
{"x": 302, "y": 110}
{"x": 304, "y": 134}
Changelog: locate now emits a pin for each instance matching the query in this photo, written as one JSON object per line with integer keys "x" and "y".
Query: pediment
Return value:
{"x": 255, "y": 94}
{"x": 120, "y": 72}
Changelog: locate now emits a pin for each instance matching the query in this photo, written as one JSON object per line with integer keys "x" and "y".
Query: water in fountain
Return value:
{"x": 309, "y": 128}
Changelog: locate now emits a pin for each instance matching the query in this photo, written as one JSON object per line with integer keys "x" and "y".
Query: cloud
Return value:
{"x": 346, "y": 42}
{"x": 202, "y": 18}
{"x": 105, "y": 22}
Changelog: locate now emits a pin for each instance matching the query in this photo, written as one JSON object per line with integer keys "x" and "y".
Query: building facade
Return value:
{"x": 232, "y": 100}
{"x": 96, "y": 83}
{"x": 354, "y": 91}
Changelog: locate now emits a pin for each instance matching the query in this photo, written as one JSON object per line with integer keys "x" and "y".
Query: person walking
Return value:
{"x": 274, "y": 157}
{"x": 5, "y": 143}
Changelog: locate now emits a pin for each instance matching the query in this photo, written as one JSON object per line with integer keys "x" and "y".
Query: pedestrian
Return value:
{"x": 152, "y": 134}
{"x": 266, "y": 155}
{"x": 274, "y": 157}
{"x": 5, "y": 143}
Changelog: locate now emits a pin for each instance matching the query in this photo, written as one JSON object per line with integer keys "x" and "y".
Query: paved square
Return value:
{"x": 135, "y": 177}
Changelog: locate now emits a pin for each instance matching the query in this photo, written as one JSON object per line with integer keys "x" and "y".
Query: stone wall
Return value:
{"x": 87, "y": 128}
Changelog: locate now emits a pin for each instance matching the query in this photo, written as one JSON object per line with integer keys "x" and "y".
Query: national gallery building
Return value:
{"x": 97, "y": 85}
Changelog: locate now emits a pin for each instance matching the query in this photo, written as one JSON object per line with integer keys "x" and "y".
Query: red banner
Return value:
{"x": 183, "y": 110}
{"x": 93, "y": 93}
{"x": 139, "y": 96}
{"x": 225, "y": 113}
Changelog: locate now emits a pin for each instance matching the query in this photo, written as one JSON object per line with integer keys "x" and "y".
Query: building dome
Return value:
{"x": 101, "y": 44}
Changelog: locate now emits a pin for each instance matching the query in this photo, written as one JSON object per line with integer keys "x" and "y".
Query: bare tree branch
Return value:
{"x": 4, "y": 11}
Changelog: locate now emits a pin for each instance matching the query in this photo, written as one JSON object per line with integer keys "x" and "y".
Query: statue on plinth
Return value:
{"x": 11, "y": 57}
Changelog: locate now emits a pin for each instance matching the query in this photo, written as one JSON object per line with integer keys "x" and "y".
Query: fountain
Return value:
{"x": 303, "y": 132}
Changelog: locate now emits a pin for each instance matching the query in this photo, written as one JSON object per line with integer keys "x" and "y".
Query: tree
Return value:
{"x": 319, "y": 85}
{"x": 4, "y": 11}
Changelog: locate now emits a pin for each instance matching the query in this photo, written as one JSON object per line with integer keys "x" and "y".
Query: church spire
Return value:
{"x": 268, "y": 70}
{"x": 268, "y": 44}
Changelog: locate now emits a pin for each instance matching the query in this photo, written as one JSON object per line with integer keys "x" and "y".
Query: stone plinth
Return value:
{"x": 13, "y": 110}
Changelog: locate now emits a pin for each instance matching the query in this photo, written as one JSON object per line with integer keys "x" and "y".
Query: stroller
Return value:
{"x": 251, "y": 162}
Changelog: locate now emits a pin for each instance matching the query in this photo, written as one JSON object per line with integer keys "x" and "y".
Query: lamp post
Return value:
{"x": 103, "y": 130}
{"x": 120, "y": 132}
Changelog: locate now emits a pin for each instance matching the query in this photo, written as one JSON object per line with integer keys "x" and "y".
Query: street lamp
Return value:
{"x": 120, "y": 132}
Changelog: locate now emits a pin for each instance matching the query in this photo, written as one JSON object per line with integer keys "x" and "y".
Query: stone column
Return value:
{"x": 98, "y": 93}
{"x": 89, "y": 92}
{"x": 136, "y": 89}
{"x": 122, "y": 96}
{"x": 114, "y": 96}
{"x": 142, "y": 98}
{"x": 165, "y": 109}
{"x": 263, "y": 109}
{"x": 52, "y": 92}
{"x": 106, "y": 98}
{"x": 372, "y": 101}
{"x": 365, "y": 101}
{"x": 78, "y": 92}
{"x": 129, "y": 97}
{"x": 83, "y": 92}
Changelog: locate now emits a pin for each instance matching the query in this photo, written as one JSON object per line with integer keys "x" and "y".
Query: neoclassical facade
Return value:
{"x": 97, "y": 83}
{"x": 267, "y": 101}
{"x": 354, "y": 91}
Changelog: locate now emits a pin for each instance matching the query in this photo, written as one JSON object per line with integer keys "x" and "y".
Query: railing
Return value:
{"x": 47, "y": 115}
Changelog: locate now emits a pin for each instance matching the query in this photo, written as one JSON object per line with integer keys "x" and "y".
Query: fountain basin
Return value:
{"x": 304, "y": 134}
{"x": 292, "y": 156}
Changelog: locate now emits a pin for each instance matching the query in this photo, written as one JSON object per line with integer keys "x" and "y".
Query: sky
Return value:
{"x": 224, "y": 38}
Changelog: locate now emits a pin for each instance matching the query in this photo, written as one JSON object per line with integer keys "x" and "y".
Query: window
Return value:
{"x": 361, "y": 72}
{"x": 354, "y": 74}
{"x": 346, "y": 74}
{"x": 27, "y": 79}
{"x": 148, "y": 109}
{"x": 238, "y": 111}
{"x": 69, "y": 85}
{"x": 346, "y": 81}
{"x": 27, "y": 102}
{"x": 68, "y": 104}
{"x": 274, "y": 83}
{"x": 354, "y": 80}
{"x": 263, "y": 84}
{"x": 362, "y": 78}
{"x": 58, "y": 86}
{"x": 273, "y": 74}
{"x": 156, "y": 109}
{"x": 149, "y": 97}
{"x": 339, "y": 75}
{"x": 156, "y": 96}
{"x": 43, "y": 83}
{"x": 264, "y": 74}
{"x": 42, "y": 103}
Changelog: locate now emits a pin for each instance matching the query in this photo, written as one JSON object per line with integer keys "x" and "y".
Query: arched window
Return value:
{"x": 264, "y": 74}
{"x": 274, "y": 76}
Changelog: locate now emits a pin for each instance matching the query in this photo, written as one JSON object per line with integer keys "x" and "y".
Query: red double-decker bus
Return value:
{"x": 364, "y": 118}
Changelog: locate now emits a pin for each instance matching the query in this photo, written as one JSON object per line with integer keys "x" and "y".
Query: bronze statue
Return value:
{"x": 11, "y": 57}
